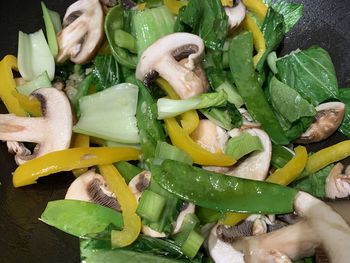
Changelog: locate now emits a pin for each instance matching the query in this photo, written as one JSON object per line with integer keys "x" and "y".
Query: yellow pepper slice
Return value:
{"x": 8, "y": 85}
{"x": 283, "y": 176}
{"x": 128, "y": 203}
{"x": 80, "y": 140}
{"x": 29, "y": 104}
{"x": 69, "y": 159}
{"x": 258, "y": 37}
{"x": 189, "y": 120}
{"x": 256, "y": 6}
{"x": 174, "y": 5}
{"x": 199, "y": 155}
{"x": 326, "y": 156}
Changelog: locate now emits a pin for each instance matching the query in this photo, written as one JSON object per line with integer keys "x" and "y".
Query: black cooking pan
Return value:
{"x": 25, "y": 239}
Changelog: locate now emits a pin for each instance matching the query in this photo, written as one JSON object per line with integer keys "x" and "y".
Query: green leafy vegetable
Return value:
{"x": 205, "y": 18}
{"x": 316, "y": 183}
{"x": 221, "y": 192}
{"x": 291, "y": 12}
{"x": 243, "y": 72}
{"x": 34, "y": 56}
{"x": 50, "y": 30}
{"x": 42, "y": 81}
{"x": 106, "y": 72}
{"x": 287, "y": 101}
{"x": 227, "y": 117}
{"x": 273, "y": 30}
{"x": 344, "y": 96}
{"x": 166, "y": 151}
{"x": 127, "y": 170}
{"x": 150, "y": 25}
{"x": 168, "y": 108}
{"x": 311, "y": 73}
{"x": 280, "y": 156}
{"x": 110, "y": 114}
{"x": 242, "y": 145}
{"x": 80, "y": 218}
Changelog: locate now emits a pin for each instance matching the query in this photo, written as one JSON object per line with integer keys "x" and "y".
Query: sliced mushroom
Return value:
{"x": 51, "y": 132}
{"x": 139, "y": 183}
{"x": 187, "y": 208}
{"x": 338, "y": 184}
{"x": 82, "y": 32}
{"x": 248, "y": 121}
{"x": 92, "y": 187}
{"x": 327, "y": 120}
{"x": 319, "y": 226}
{"x": 162, "y": 58}
{"x": 18, "y": 149}
{"x": 256, "y": 165}
{"x": 235, "y": 14}
{"x": 210, "y": 136}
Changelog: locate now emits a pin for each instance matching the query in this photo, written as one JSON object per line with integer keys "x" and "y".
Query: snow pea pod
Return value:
{"x": 221, "y": 192}
{"x": 114, "y": 28}
{"x": 244, "y": 75}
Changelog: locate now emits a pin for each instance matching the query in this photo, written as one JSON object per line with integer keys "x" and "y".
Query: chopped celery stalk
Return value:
{"x": 166, "y": 151}
{"x": 50, "y": 30}
{"x": 110, "y": 114}
{"x": 243, "y": 145}
{"x": 56, "y": 20}
{"x": 127, "y": 170}
{"x": 168, "y": 108}
{"x": 151, "y": 205}
{"x": 125, "y": 40}
{"x": 34, "y": 56}
{"x": 189, "y": 224}
{"x": 192, "y": 244}
{"x": 280, "y": 156}
{"x": 118, "y": 144}
{"x": 150, "y": 25}
{"x": 42, "y": 81}
{"x": 232, "y": 95}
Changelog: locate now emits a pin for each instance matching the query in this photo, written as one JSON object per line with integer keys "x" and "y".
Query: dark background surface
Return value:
{"x": 23, "y": 238}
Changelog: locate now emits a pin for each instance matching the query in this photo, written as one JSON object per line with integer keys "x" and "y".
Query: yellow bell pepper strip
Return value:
{"x": 69, "y": 159}
{"x": 258, "y": 37}
{"x": 198, "y": 154}
{"x": 174, "y": 5}
{"x": 80, "y": 140}
{"x": 189, "y": 120}
{"x": 227, "y": 3}
{"x": 283, "y": 176}
{"x": 256, "y": 6}
{"x": 326, "y": 156}
{"x": 29, "y": 104}
{"x": 128, "y": 203}
{"x": 8, "y": 85}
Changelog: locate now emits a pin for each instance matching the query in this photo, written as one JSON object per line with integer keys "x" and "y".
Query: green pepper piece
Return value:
{"x": 114, "y": 23}
{"x": 245, "y": 77}
{"x": 221, "y": 192}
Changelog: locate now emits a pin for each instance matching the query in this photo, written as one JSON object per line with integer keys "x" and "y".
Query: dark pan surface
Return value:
{"x": 23, "y": 238}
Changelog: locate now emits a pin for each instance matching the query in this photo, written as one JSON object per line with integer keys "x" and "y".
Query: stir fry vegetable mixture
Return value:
{"x": 182, "y": 128}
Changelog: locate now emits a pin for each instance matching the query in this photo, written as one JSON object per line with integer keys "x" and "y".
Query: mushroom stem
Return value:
{"x": 235, "y": 14}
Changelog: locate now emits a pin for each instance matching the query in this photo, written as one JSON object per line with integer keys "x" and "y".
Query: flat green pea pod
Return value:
{"x": 80, "y": 218}
{"x": 245, "y": 77}
{"x": 221, "y": 192}
{"x": 122, "y": 43}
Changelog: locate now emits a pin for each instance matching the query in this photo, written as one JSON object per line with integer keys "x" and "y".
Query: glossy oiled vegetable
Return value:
{"x": 80, "y": 218}
{"x": 241, "y": 65}
{"x": 69, "y": 159}
{"x": 221, "y": 192}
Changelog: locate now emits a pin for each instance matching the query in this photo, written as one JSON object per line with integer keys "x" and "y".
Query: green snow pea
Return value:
{"x": 245, "y": 77}
{"x": 223, "y": 193}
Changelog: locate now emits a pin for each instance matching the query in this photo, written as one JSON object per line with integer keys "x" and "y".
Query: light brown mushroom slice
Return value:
{"x": 256, "y": 165}
{"x": 51, "y": 132}
{"x": 91, "y": 187}
{"x": 139, "y": 183}
{"x": 327, "y": 120}
{"x": 82, "y": 32}
{"x": 162, "y": 58}
{"x": 187, "y": 208}
{"x": 235, "y": 14}
{"x": 337, "y": 184}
